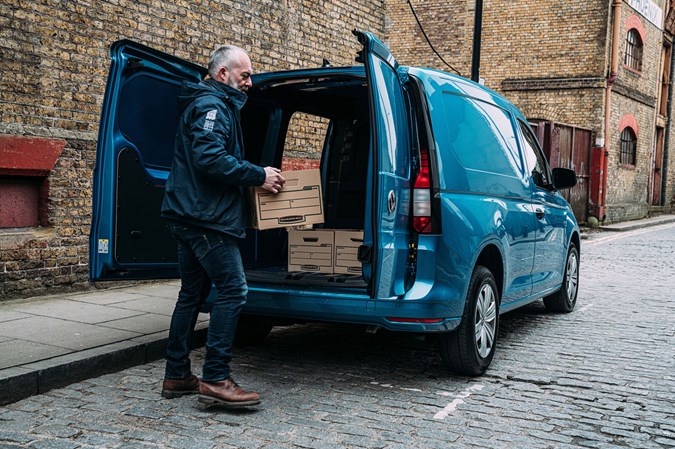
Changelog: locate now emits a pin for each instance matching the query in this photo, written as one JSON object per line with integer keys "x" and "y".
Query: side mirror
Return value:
{"x": 564, "y": 178}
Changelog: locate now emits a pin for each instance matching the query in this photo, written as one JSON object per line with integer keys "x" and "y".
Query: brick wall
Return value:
{"x": 549, "y": 58}
{"x": 53, "y": 67}
{"x": 447, "y": 23}
{"x": 633, "y": 93}
{"x": 627, "y": 187}
{"x": 552, "y": 60}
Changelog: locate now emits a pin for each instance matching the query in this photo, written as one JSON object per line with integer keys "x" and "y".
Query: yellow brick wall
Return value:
{"x": 552, "y": 59}
{"x": 54, "y": 60}
{"x": 445, "y": 23}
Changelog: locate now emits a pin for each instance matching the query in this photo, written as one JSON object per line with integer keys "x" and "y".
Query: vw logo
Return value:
{"x": 391, "y": 201}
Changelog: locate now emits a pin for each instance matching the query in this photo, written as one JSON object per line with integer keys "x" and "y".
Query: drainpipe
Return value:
{"x": 477, "y": 31}
{"x": 666, "y": 143}
{"x": 613, "y": 74}
{"x": 614, "y": 63}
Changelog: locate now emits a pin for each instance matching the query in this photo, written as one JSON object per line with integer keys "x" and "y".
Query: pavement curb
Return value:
{"x": 638, "y": 224}
{"x": 20, "y": 382}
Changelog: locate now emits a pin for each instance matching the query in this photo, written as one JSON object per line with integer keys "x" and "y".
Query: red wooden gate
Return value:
{"x": 568, "y": 147}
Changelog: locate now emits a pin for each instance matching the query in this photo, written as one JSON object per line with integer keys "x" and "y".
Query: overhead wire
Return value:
{"x": 429, "y": 41}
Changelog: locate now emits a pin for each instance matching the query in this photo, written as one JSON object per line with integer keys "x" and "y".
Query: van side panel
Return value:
{"x": 484, "y": 196}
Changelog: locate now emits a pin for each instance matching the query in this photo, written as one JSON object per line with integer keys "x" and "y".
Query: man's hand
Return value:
{"x": 273, "y": 180}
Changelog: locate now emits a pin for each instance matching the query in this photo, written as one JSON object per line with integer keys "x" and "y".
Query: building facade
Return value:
{"x": 596, "y": 67}
{"x": 582, "y": 68}
{"x": 54, "y": 59}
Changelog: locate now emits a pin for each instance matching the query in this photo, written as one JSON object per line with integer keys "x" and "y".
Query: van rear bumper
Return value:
{"x": 315, "y": 305}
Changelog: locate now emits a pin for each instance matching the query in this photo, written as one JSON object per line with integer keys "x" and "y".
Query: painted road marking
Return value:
{"x": 459, "y": 399}
{"x": 586, "y": 307}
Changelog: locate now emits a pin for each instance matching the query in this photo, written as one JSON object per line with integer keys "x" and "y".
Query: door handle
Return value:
{"x": 539, "y": 213}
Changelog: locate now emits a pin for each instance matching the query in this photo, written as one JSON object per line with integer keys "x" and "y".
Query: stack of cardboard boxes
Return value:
{"x": 330, "y": 251}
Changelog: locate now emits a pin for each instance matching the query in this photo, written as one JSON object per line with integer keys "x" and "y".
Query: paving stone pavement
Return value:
{"x": 601, "y": 377}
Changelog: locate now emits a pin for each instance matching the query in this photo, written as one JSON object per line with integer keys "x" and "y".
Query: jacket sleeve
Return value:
{"x": 216, "y": 152}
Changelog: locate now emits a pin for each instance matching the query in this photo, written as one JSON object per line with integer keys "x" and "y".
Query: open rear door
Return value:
{"x": 133, "y": 157}
{"x": 387, "y": 230}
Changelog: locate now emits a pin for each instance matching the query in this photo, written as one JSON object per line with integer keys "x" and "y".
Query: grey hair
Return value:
{"x": 224, "y": 56}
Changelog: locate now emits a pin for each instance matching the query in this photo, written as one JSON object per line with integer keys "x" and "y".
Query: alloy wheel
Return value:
{"x": 486, "y": 320}
{"x": 572, "y": 277}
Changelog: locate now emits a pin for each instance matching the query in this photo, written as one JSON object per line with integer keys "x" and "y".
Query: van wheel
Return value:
{"x": 252, "y": 329}
{"x": 469, "y": 349}
{"x": 565, "y": 299}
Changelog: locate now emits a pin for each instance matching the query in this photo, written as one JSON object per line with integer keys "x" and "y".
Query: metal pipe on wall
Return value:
{"x": 477, "y": 29}
{"x": 666, "y": 143}
{"x": 614, "y": 65}
{"x": 612, "y": 76}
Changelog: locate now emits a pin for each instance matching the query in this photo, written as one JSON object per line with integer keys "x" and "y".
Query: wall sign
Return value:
{"x": 650, "y": 10}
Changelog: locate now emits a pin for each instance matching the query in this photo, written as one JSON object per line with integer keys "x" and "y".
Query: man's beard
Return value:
{"x": 233, "y": 83}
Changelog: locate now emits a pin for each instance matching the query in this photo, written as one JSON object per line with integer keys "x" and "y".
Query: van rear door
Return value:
{"x": 133, "y": 158}
{"x": 386, "y": 231}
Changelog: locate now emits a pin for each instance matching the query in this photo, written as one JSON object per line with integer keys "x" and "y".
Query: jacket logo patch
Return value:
{"x": 210, "y": 117}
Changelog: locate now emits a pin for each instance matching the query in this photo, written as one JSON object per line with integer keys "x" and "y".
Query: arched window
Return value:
{"x": 628, "y": 146}
{"x": 633, "y": 56}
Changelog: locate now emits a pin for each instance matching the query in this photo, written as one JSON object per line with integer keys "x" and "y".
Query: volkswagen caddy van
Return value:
{"x": 461, "y": 215}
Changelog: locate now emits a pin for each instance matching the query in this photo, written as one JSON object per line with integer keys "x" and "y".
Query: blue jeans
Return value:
{"x": 205, "y": 256}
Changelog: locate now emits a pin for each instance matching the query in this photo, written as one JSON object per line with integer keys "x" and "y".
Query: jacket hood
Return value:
{"x": 191, "y": 91}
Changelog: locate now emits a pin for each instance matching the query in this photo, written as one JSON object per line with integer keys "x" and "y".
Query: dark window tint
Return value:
{"x": 628, "y": 146}
{"x": 396, "y": 158}
{"x": 150, "y": 124}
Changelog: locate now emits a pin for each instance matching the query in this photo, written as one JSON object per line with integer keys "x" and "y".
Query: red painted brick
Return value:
{"x": 288, "y": 164}
{"x": 28, "y": 156}
{"x": 18, "y": 203}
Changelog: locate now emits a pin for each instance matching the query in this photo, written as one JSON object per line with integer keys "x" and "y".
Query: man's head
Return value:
{"x": 231, "y": 65}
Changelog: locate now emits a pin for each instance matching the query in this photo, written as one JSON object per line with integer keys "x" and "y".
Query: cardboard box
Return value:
{"x": 347, "y": 244}
{"x": 300, "y": 202}
{"x": 310, "y": 251}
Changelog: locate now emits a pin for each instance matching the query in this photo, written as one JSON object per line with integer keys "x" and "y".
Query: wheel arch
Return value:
{"x": 576, "y": 239}
{"x": 491, "y": 258}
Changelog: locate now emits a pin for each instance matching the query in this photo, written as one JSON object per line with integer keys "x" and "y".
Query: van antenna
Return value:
{"x": 428, "y": 41}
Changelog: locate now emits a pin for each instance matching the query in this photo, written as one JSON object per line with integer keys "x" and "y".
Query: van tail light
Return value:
{"x": 422, "y": 196}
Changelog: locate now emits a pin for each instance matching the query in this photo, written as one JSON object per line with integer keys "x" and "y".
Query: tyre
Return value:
{"x": 469, "y": 349}
{"x": 252, "y": 329}
{"x": 565, "y": 299}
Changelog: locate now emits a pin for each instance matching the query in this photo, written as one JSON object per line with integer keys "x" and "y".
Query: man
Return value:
{"x": 204, "y": 206}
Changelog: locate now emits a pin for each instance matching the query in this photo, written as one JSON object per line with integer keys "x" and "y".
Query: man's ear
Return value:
{"x": 223, "y": 74}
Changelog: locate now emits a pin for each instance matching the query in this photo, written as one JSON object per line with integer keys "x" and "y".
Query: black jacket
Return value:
{"x": 208, "y": 175}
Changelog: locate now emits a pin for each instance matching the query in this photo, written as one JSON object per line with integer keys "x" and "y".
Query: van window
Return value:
{"x": 534, "y": 158}
{"x": 396, "y": 160}
{"x": 481, "y": 135}
{"x": 147, "y": 123}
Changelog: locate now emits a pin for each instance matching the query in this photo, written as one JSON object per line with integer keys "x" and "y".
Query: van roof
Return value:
{"x": 433, "y": 80}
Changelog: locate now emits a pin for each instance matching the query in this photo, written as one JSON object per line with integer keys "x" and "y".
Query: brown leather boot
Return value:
{"x": 175, "y": 388}
{"x": 227, "y": 393}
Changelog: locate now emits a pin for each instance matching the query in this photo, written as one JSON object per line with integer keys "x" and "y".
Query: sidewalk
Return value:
{"x": 637, "y": 224}
{"x": 51, "y": 341}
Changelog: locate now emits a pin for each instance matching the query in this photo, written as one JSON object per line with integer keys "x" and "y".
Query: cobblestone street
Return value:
{"x": 600, "y": 377}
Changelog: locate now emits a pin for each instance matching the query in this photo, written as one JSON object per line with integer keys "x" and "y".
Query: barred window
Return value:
{"x": 633, "y": 56}
{"x": 628, "y": 146}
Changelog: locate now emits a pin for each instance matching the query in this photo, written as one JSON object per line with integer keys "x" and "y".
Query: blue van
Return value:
{"x": 461, "y": 215}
